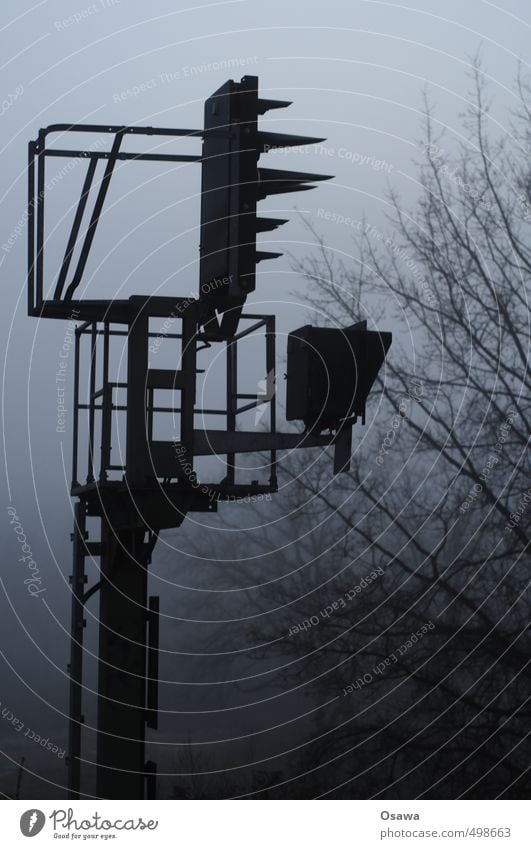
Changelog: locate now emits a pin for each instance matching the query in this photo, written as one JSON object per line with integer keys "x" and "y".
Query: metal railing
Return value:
{"x": 38, "y": 153}
{"x": 101, "y": 404}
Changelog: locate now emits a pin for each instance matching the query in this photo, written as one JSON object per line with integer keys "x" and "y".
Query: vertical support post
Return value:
{"x": 153, "y": 663}
{"x": 41, "y": 184}
{"x": 150, "y": 413}
{"x": 271, "y": 376}
{"x": 75, "y": 668}
{"x": 232, "y": 391}
{"x": 31, "y": 227}
{"x": 92, "y": 401}
{"x": 75, "y": 436}
{"x": 138, "y": 462}
{"x": 106, "y": 411}
{"x": 19, "y": 778}
{"x": 343, "y": 449}
{"x": 121, "y": 771}
{"x": 151, "y": 780}
{"x": 188, "y": 368}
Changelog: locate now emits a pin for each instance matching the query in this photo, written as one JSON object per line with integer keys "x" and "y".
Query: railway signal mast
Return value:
{"x": 154, "y": 484}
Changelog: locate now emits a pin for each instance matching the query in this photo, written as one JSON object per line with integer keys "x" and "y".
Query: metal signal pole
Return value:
{"x": 123, "y": 625}
{"x": 330, "y": 372}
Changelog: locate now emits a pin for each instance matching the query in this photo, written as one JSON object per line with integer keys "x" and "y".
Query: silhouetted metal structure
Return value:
{"x": 152, "y": 484}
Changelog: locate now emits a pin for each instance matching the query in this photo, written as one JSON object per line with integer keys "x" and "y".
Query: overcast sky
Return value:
{"x": 355, "y": 71}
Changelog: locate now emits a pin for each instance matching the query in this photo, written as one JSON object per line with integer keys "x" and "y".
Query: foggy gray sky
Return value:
{"x": 355, "y": 72}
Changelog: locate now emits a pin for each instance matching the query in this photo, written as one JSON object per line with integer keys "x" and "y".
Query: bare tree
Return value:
{"x": 423, "y": 669}
{"x": 397, "y": 604}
